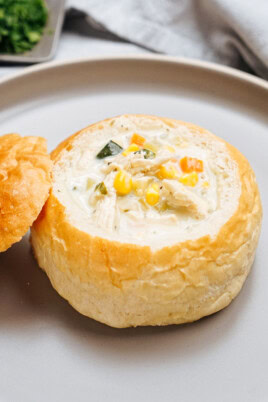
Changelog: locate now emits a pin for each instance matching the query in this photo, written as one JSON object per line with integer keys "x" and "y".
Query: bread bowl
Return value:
{"x": 24, "y": 184}
{"x": 150, "y": 221}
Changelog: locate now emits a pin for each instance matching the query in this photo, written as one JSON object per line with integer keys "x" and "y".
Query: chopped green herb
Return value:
{"x": 110, "y": 149}
{"x": 33, "y": 36}
{"x": 101, "y": 188}
{"x": 22, "y": 24}
{"x": 146, "y": 153}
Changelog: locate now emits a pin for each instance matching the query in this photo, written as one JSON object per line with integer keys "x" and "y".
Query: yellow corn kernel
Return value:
{"x": 167, "y": 172}
{"x": 90, "y": 183}
{"x": 150, "y": 146}
{"x": 139, "y": 186}
{"x": 131, "y": 148}
{"x": 206, "y": 184}
{"x": 189, "y": 179}
{"x": 123, "y": 183}
{"x": 170, "y": 148}
{"x": 152, "y": 194}
{"x": 137, "y": 139}
{"x": 162, "y": 206}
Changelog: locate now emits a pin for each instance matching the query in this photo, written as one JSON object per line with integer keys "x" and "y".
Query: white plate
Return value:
{"x": 48, "y": 352}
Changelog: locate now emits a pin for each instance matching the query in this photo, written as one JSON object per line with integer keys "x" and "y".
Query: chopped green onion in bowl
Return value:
{"x": 22, "y": 24}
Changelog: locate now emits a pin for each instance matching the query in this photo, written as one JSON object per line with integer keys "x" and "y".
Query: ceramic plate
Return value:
{"x": 48, "y": 351}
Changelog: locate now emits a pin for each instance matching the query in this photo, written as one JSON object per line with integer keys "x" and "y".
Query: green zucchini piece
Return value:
{"x": 110, "y": 149}
{"x": 101, "y": 187}
{"x": 146, "y": 153}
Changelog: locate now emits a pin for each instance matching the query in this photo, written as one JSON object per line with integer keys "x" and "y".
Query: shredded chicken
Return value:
{"x": 128, "y": 203}
{"x": 165, "y": 218}
{"x": 178, "y": 196}
{"x": 131, "y": 207}
{"x": 115, "y": 163}
{"x": 136, "y": 163}
{"x": 148, "y": 166}
{"x": 104, "y": 215}
{"x": 105, "y": 205}
{"x": 137, "y": 216}
{"x": 109, "y": 207}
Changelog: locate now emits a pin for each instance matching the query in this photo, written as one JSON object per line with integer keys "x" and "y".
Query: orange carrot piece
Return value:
{"x": 137, "y": 139}
{"x": 189, "y": 165}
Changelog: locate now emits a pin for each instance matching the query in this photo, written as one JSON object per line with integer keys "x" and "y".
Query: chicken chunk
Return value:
{"x": 104, "y": 213}
{"x": 178, "y": 196}
{"x": 148, "y": 167}
{"x": 105, "y": 204}
{"x": 135, "y": 163}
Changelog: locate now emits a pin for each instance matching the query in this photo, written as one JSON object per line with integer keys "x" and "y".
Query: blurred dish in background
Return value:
{"x": 29, "y": 29}
{"x": 22, "y": 24}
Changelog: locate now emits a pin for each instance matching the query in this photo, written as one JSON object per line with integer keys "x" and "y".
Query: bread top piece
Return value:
{"x": 25, "y": 180}
{"x": 147, "y": 181}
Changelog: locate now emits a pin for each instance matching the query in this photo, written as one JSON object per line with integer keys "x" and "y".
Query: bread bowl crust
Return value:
{"x": 125, "y": 285}
{"x": 25, "y": 181}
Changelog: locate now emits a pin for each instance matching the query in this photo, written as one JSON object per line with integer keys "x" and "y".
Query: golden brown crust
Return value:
{"x": 25, "y": 180}
{"x": 176, "y": 284}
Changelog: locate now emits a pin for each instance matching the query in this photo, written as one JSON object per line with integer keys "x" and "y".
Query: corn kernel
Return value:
{"x": 167, "y": 172}
{"x": 206, "y": 184}
{"x": 139, "y": 186}
{"x": 170, "y": 148}
{"x": 137, "y": 139}
{"x": 90, "y": 183}
{"x": 123, "y": 183}
{"x": 152, "y": 194}
{"x": 190, "y": 179}
{"x": 151, "y": 147}
{"x": 131, "y": 148}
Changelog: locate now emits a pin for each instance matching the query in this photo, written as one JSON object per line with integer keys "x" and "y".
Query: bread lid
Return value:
{"x": 25, "y": 181}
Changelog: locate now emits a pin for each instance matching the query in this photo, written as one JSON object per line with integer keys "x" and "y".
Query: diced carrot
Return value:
{"x": 137, "y": 139}
{"x": 189, "y": 165}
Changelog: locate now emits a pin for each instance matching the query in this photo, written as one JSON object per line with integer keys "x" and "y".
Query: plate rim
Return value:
{"x": 183, "y": 61}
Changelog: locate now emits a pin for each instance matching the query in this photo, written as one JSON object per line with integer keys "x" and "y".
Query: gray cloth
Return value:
{"x": 231, "y": 32}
